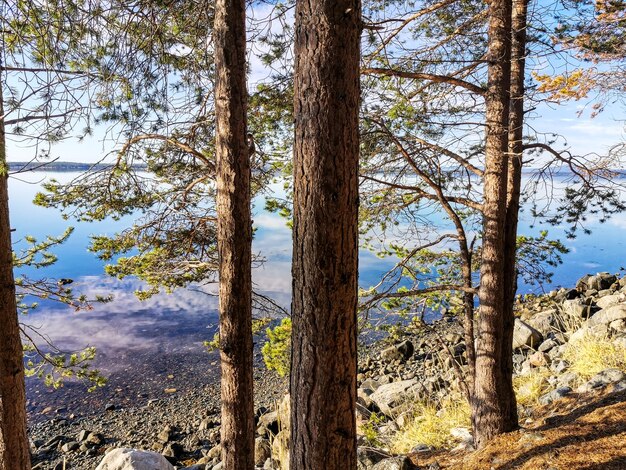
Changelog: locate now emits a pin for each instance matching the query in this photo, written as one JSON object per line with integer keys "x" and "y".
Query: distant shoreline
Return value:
{"x": 57, "y": 166}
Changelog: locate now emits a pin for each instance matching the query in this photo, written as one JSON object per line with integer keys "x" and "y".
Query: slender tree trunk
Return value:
{"x": 491, "y": 417}
{"x": 325, "y": 253}
{"x": 14, "y": 452}
{"x": 234, "y": 235}
{"x": 516, "y": 125}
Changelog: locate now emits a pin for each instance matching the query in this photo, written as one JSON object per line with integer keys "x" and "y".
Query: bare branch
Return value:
{"x": 181, "y": 145}
{"x": 387, "y": 72}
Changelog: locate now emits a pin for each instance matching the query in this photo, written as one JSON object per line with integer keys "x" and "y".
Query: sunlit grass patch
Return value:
{"x": 592, "y": 354}
{"x": 430, "y": 424}
{"x": 529, "y": 388}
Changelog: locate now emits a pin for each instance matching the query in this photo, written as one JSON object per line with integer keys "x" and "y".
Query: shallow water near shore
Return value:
{"x": 148, "y": 349}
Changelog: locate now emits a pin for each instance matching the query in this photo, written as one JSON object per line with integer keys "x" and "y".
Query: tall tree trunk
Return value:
{"x": 14, "y": 452}
{"x": 325, "y": 253}
{"x": 491, "y": 416}
{"x": 234, "y": 235}
{"x": 516, "y": 128}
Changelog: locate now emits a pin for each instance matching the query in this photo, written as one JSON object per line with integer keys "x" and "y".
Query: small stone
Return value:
{"x": 539, "y": 359}
{"x": 568, "y": 379}
{"x": 70, "y": 446}
{"x": 547, "y": 345}
{"x": 554, "y": 395}
{"x": 394, "y": 463}
{"x": 559, "y": 367}
{"x": 421, "y": 448}
{"x": 401, "y": 351}
{"x": 215, "y": 452}
{"x": 95, "y": 438}
{"x": 165, "y": 435}
{"x": 462, "y": 434}
{"x": 173, "y": 450}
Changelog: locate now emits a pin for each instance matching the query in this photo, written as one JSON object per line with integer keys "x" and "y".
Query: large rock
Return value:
{"x": 608, "y": 315}
{"x": 525, "y": 336}
{"x": 133, "y": 459}
{"x": 554, "y": 395}
{"x": 544, "y": 322}
{"x": 602, "y": 379}
{"x": 598, "y": 282}
{"x": 579, "y": 308}
{"x": 390, "y": 397}
{"x": 599, "y": 330}
{"x": 610, "y": 300}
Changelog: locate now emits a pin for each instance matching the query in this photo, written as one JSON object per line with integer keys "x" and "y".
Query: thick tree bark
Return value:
{"x": 490, "y": 413}
{"x": 325, "y": 254}
{"x": 516, "y": 126}
{"x": 234, "y": 235}
{"x": 14, "y": 452}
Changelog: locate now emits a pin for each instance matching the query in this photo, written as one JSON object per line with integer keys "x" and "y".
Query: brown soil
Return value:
{"x": 581, "y": 432}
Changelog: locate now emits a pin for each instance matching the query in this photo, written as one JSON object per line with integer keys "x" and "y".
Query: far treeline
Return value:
{"x": 20, "y": 167}
{"x": 372, "y": 114}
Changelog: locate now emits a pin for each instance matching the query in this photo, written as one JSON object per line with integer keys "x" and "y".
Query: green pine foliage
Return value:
{"x": 277, "y": 349}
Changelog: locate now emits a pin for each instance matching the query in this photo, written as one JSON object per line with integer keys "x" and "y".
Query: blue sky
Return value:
{"x": 583, "y": 134}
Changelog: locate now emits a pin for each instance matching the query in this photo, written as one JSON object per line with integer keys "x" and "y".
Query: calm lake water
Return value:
{"x": 146, "y": 347}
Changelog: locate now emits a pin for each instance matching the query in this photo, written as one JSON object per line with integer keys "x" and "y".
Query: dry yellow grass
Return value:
{"x": 592, "y": 354}
{"x": 431, "y": 424}
{"x": 529, "y": 388}
{"x": 582, "y": 432}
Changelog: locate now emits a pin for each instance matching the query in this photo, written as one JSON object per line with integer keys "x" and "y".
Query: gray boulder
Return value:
{"x": 579, "y": 308}
{"x": 544, "y": 322}
{"x": 608, "y": 315}
{"x": 604, "y": 378}
{"x": 547, "y": 345}
{"x": 133, "y": 459}
{"x": 598, "y": 282}
{"x": 610, "y": 300}
{"x": 390, "y": 397}
{"x": 525, "y": 336}
{"x": 599, "y": 330}
{"x": 555, "y": 395}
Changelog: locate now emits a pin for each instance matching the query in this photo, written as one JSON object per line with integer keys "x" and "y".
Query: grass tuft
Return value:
{"x": 592, "y": 354}
{"x": 431, "y": 424}
{"x": 528, "y": 388}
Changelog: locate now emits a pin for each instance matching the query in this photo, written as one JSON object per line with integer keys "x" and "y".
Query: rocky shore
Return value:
{"x": 568, "y": 342}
